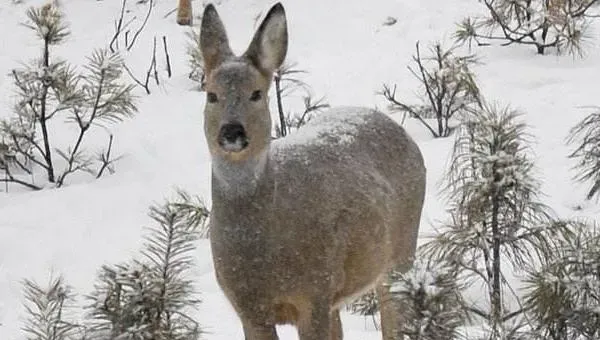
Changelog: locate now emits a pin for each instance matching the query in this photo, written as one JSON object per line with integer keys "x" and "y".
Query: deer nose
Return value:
{"x": 232, "y": 137}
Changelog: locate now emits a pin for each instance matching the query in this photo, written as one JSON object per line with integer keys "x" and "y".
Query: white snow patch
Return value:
{"x": 339, "y": 124}
{"x": 348, "y": 56}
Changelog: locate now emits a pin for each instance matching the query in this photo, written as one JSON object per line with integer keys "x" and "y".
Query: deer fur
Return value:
{"x": 303, "y": 224}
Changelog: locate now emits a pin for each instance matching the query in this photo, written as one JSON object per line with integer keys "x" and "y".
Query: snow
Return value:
{"x": 340, "y": 122}
{"x": 348, "y": 54}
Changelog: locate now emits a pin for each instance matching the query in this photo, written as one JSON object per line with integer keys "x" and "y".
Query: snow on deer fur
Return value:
{"x": 300, "y": 226}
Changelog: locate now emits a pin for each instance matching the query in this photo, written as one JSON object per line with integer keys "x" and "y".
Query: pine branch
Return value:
{"x": 150, "y": 299}
{"x": 390, "y": 95}
{"x": 105, "y": 158}
{"x": 45, "y": 308}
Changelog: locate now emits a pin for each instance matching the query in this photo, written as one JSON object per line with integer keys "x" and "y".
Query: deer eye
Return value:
{"x": 211, "y": 97}
{"x": 255, "y": 96}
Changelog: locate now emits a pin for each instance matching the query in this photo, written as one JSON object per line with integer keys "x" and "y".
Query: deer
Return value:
{"x": 302, "y": 225}
{"x": 184, "y": 12}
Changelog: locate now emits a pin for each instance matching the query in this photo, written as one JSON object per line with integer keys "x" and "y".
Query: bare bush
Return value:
{"x": 448, "y": 91}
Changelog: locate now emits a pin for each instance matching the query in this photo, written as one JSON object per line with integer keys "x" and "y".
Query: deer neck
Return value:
{"x": 239, "y": 181}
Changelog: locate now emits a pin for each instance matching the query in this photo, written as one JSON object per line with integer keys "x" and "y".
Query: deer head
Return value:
{"x": 237, "y": 121}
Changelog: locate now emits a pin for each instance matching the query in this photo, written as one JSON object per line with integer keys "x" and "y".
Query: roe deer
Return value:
{"x": 306, "y": 223}
{"x": 184, "y": 12}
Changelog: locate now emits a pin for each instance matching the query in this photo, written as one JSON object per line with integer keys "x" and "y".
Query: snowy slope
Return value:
{"x": 348, "y": 53}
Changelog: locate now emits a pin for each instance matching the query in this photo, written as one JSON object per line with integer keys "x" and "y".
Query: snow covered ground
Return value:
{"x": 348, "y": 54}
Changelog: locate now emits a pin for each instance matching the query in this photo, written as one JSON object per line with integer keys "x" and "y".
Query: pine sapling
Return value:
{"x": 586, "y": 138}
{"x": 104, "y": 99}
{"x": 497, "y": 220}
{"x": 51, "y": 91}
{"x": 432, "y": 301}
{"x": 367, "y": 305}
{"x": 286, "y": 83}
{"x": 293, "y": 121}
{"x": 543, "y": 24}
{"x": 151, "y": 299}
{"x": 48, "y": 311}
{"x": 44, "y": 85}
{"x": 563, "y": 295}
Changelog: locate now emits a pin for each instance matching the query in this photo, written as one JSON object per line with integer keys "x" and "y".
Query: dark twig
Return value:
{"x": 133, "y": 77}
{"x": 390, "y": 95}
{"x": 282, "y": 125}
{"x": 170, "y": 12}
{"x": 137, "y": 33}
{"x": 113, "y": 45}
{"x": 153, "y": 62}
{"x": 105, "y": 158}
{"x": 167, "y": 57}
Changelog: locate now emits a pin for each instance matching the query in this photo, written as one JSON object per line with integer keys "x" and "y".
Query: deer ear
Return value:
{"x": 269, "y": 45}
{"x": 213, "y": 39}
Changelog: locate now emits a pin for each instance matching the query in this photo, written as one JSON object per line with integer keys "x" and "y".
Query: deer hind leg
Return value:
{"x": 316, "y": 323}
{"x": 392, "y": 319}
{"x": 259, "y": 332}
{"x": 336, "y": 326}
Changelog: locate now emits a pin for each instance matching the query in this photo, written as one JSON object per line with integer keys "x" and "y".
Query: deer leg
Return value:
{"x": 392, "y": 319}
{"x": 316, "y": 323}
{"x": 254, "y": 331}
{"x": 336, "y": 326}
{"x": 388, "y": 310}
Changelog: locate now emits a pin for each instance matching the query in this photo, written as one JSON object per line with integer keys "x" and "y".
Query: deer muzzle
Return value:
{"x": 232, "y": 137}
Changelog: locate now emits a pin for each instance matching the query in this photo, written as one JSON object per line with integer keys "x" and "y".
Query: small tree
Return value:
{"x": 293, "y": 121}
{"x": 431, "y": 298}
{"x": 559, "y": 24}
{"x": 367, "y": 305}
{"x": 496, "y": 218}
{"x": 48, "y": 311}
{"x": 432, "y": 301}
{"x": 151, "y": 299}
{"x": 448, "y": 90}
{"x": 586, "y": 137}
{"x": 563, "y": 296}
{"x": 148, "y": 299}
{"x": 49, "y": 89}
{"x": 286, "y": 82}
